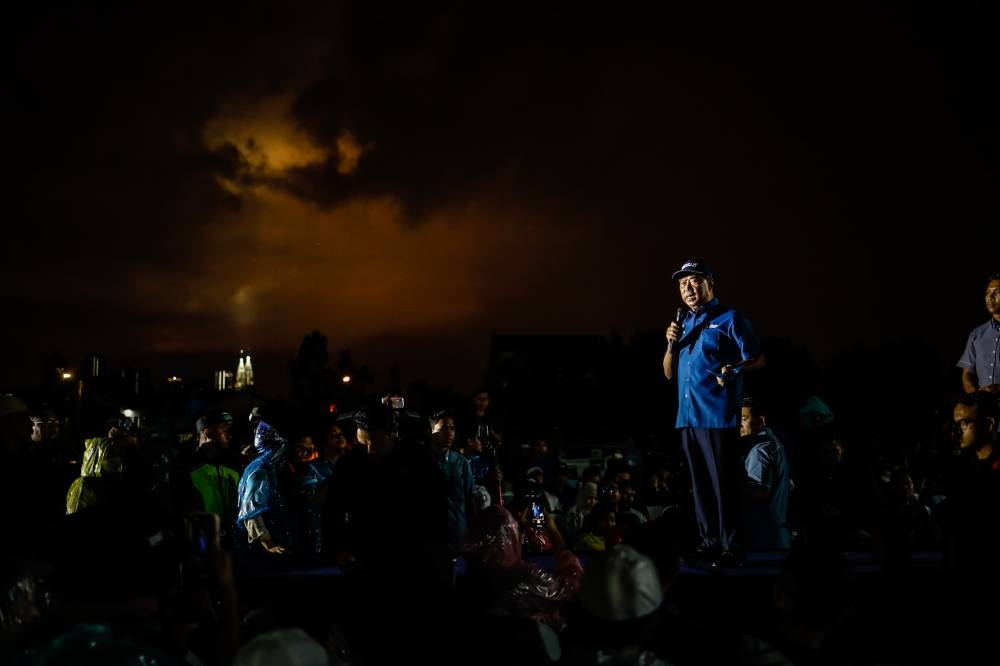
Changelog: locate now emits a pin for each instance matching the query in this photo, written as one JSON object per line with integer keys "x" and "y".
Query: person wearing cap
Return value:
{"x": 286, "y": 645}
{"x": 45, "y": 426}
{"x": 619, "y": 603}
{"x": 708, "y": 351}
{"x": 214, "y": 476}
{"x": 53, "y": 454}
{"x": 387, "y": 495}
{"x": 536, "y": 475}
{"x": 26, "y": 490}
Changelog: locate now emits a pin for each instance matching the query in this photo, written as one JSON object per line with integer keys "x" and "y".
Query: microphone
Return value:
{"x": 679, "y": 318}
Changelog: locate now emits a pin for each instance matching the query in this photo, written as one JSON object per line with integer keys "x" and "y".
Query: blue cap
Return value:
{"x": 693, "y": 267}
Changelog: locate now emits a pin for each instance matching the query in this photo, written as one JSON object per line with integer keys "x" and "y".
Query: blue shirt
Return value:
{"x": 458, "y": 471}
{"x": 765, "y": 523}
{"x": 981, "y": 353}
{"x": 714, "y": 336}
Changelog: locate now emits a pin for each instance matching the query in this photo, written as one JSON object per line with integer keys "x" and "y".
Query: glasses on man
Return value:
{"x": 964, "y": 424}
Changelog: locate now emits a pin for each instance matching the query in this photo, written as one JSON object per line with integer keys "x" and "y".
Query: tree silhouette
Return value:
{"x": 313, "y": 381}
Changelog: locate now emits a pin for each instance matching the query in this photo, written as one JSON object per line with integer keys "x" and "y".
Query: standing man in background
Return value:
{"x": 980, "y": 371}
{"x": 708, "y": 352}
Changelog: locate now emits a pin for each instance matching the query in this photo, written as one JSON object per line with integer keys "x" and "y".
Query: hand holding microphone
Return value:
{"x": 675, "y": 330}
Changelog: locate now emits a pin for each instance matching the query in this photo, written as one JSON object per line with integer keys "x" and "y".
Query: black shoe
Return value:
{"x": 728, "y": 560}
{"x": 701, "y": 555}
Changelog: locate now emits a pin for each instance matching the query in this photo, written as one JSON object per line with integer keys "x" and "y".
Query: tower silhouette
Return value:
{"x": 244, "y": 372}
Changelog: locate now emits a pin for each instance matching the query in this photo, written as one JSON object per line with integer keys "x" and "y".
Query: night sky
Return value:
{"x": 407, "y": 177}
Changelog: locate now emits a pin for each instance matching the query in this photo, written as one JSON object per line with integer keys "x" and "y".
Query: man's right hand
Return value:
{"x": 674, "y": 331}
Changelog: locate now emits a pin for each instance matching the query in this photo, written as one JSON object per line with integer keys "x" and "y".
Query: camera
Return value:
{"x": 394, "y": 401}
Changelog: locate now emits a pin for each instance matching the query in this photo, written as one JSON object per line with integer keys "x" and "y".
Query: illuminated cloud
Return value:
{"x": 349, "y": 152}
{"x": 264, "y": 132}
{"x": 279, "y": 267}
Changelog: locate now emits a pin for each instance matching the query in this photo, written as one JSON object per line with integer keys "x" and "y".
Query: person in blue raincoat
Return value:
{"x": 263, "y": 516}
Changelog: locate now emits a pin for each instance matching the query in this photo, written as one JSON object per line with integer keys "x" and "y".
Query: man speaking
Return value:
{"x": 708, "y": 351}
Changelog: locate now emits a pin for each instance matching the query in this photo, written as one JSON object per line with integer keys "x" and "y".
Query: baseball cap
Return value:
{"x": 291, "y": 646}
{"x": 43, "y": 416}
{"x": 620, "y": 584}
{"x": 213, "y": 418}
{"x": 481, "y": 497}
{"x": 693, "y": 267}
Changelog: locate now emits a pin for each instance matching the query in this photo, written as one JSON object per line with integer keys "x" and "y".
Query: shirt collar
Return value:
{"x": 707, "y": 307}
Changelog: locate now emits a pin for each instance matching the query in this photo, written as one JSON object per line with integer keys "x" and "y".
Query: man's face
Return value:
{"x": 336, "y": 440}
{"x": 474, "y": 444}
{"x": 629, "y": 496}
{"x": 481, "y": 401}
{"x": 696, "y": 290}
{"x": 444, "y": 432}
{"x": 305, "y": 448}
{"x": 749, "y": 424}
{"x": 606, "y": 520}
{"x": 221, "y": 434}
{"x": 972, "y": 430}
{"x": 831, "y": 452}
{"x": 44, "y": 430}
{"x": 993, "y": 297}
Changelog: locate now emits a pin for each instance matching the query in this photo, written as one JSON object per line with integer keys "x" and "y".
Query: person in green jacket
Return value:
{"x": 214, "y": 474}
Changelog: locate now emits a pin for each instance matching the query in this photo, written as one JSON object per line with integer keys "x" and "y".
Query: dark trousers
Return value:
{"x": 713, "y": 456}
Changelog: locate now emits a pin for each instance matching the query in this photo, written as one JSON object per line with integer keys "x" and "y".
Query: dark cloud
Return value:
{"x": 217, "y": 176}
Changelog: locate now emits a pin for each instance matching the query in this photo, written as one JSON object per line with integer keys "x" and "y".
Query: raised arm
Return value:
{"x": 670, "y": 357}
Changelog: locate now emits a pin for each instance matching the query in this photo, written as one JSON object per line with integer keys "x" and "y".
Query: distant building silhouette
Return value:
{"x": 133, "y": 381}
{"x": 244, "y": 372}
{"x": 224, "y": 380}
{"x": 95, "y": 367}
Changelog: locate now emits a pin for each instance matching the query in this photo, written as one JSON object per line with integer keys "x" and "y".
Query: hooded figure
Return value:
{"x": 262, "y": 515}
{"x": 103, "y": 464}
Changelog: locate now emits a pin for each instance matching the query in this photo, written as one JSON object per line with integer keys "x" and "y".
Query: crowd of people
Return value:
{"x": 169, "y": 544}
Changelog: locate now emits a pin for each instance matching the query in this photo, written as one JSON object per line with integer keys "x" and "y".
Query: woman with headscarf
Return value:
{"x": 586, "y": 500}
